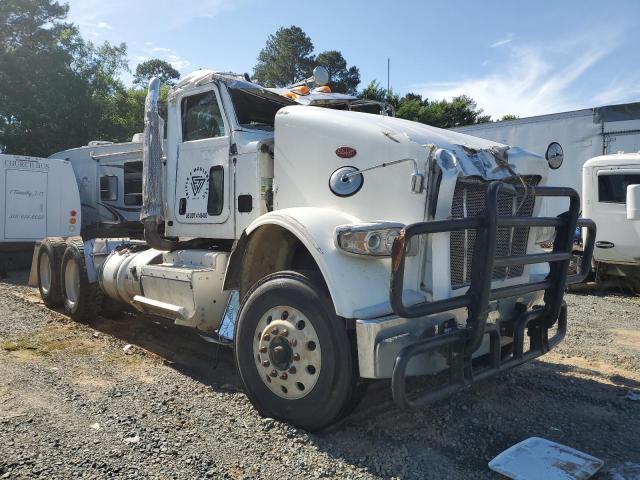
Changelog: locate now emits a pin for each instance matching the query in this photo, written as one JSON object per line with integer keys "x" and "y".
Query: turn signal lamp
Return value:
{"x": 73, "y": 220}
{"x": 322, "y": 89}
{"x": 301, "y": 90}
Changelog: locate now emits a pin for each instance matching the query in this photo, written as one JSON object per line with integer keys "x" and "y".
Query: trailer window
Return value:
{"x": 133, "y": 183}
{"x": 109, "y": 188}
{"x": 612, "y": 188}
{"x": 216, "y": 190}
{"x": 201, "y": 117}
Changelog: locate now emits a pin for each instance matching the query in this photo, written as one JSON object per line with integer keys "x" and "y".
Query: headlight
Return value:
{"x": 368, "y": 238}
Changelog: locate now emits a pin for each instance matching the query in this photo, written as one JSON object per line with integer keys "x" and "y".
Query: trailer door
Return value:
{"x": 25, "y": 200}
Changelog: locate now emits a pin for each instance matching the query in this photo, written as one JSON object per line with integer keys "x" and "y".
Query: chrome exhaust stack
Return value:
{"x": 152, "y": 212}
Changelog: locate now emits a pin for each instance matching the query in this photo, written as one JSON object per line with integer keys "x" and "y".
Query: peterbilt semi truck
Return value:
{"x": 331, "y": 248}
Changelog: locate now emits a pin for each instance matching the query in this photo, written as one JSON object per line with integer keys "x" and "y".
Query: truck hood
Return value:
{"x": 471, "y": 155}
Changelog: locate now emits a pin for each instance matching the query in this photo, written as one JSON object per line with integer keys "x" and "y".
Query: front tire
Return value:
{"x": 293, "y": 352}
{"x": 81, "y": 298}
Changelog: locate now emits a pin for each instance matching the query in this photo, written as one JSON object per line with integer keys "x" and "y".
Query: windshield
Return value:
{"x": 256, "y": 108}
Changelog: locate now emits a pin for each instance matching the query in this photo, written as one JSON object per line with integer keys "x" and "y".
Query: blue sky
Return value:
{"x": 524, "y": 58}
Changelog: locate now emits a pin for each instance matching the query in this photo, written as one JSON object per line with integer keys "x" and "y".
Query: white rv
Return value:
{"x": 568, "y": 139}
{"x": 611, "y": 197}
{"x": 109, "y": 177}
{"x": 39, "y": 198}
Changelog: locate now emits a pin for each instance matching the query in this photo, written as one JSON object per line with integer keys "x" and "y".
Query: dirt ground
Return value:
{"x": 74, "y": 404}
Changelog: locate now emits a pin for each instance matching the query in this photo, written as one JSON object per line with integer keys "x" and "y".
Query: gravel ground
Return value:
{"x": 74, "y": 404}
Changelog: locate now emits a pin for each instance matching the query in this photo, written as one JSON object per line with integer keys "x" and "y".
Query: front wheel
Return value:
{"x": 293, "y": 352}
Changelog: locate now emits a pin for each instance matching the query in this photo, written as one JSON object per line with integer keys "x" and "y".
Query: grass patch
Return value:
{"x": 16, "y": 345}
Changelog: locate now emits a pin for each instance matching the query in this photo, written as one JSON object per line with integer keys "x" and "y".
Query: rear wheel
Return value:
{"x": 48, "y": 268}
{"x": 81, "y": 298}
{"x": 293, "y": 352}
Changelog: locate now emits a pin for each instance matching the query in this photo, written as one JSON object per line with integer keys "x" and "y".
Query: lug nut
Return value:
{"x": 296, "y": 357}
{"x": 285, "y": 333}
{"x": 265, "y": 363}
{"x": 273, "y": 373}
{"x": 283, "y": 376}
{"x": 293, "y": 342}
{"x": 266, "y": 337}
{"x": 292, "y": 370}
{"x": 263, "y": 349}
{"x": 274, "y": 331}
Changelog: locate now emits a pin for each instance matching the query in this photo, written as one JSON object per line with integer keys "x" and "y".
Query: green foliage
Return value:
{"x": 288, "y": 58}
{"x": 155, "y": 68}
{"x": 461, "y": 110}
{"x": 56, "y": 90}
{"x": 343, "y": 79}
{"x": 508, "y": 116}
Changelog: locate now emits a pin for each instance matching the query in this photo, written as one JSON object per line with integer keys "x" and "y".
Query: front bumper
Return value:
{"x": 483, "y": 348}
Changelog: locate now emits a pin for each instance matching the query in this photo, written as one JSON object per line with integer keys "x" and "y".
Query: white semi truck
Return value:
{"x": 330, "y": 248}
{"x": 611, "y": 197}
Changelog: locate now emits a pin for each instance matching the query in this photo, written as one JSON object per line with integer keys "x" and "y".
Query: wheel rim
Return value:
{"x": 287, "y": 352}
{"x": 72, "y": 283}
{"x": 45, "y": 273}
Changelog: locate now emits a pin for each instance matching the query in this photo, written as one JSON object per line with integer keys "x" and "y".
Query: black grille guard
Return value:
{"x": 460, "y": 345}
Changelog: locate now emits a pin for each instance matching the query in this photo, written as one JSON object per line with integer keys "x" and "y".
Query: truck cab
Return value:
{"x": 608, "y": 182}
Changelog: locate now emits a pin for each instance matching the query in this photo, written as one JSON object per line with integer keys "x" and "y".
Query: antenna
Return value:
{"x": 388, "y": 77}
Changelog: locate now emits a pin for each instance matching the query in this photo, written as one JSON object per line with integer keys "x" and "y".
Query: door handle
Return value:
{"x": 604, "y": 244}
{"x": 182, "y": 206}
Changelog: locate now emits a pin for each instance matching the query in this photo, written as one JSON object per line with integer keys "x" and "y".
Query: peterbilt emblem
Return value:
{"x": 346, "y": 152}
{"x": 197, "y": 184}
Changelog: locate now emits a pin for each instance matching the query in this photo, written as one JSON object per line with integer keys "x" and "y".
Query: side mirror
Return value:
{"x": 633, "y": 202}
{"x": 320, "y": 75}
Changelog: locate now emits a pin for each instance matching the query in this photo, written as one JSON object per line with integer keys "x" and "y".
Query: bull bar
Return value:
{"x": 459, "y": 346}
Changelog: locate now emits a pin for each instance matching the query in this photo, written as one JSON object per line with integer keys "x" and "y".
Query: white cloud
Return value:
{"x": 504, "y": 41}
{"x": 150, "y": 51}
{"x": 162, "y": 14}
{"x": 536, "y": 79}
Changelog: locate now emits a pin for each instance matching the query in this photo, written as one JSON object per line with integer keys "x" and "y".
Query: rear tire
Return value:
{"x": 81, "y": 298}
{"x": 49, "y": 260}
{"x": 293, "y": 353}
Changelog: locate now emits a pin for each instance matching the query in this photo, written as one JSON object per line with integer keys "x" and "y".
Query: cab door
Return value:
{"x": 617, "y": 240}
{"x": 202, "y": 180}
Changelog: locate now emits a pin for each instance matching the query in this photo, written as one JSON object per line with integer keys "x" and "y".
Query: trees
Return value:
{"x": 155, "y": 68}
{"x": 458, "y": 111}
{"x": 342, "y": 79}
{"x": 288, "y": 58}
{"x": 56, "y": 90}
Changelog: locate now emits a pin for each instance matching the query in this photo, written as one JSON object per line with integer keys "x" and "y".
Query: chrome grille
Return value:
{"x": 469, "y": 201}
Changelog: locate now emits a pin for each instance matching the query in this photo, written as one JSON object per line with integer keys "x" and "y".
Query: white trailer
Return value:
{"x": 611, "y": 197}
{"x": 568, "y": 139}
{"x": 39, "y": 198}
{"x": 330, "y": 248}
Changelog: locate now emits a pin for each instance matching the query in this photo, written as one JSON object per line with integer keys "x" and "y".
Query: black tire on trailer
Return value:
{"x": 293, "y": 352}
{"x": 49, "y": 261}
{"x": 81, "y": 299}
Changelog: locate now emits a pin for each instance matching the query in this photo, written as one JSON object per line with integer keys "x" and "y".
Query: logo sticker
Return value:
{"x": 197, "y": 184}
